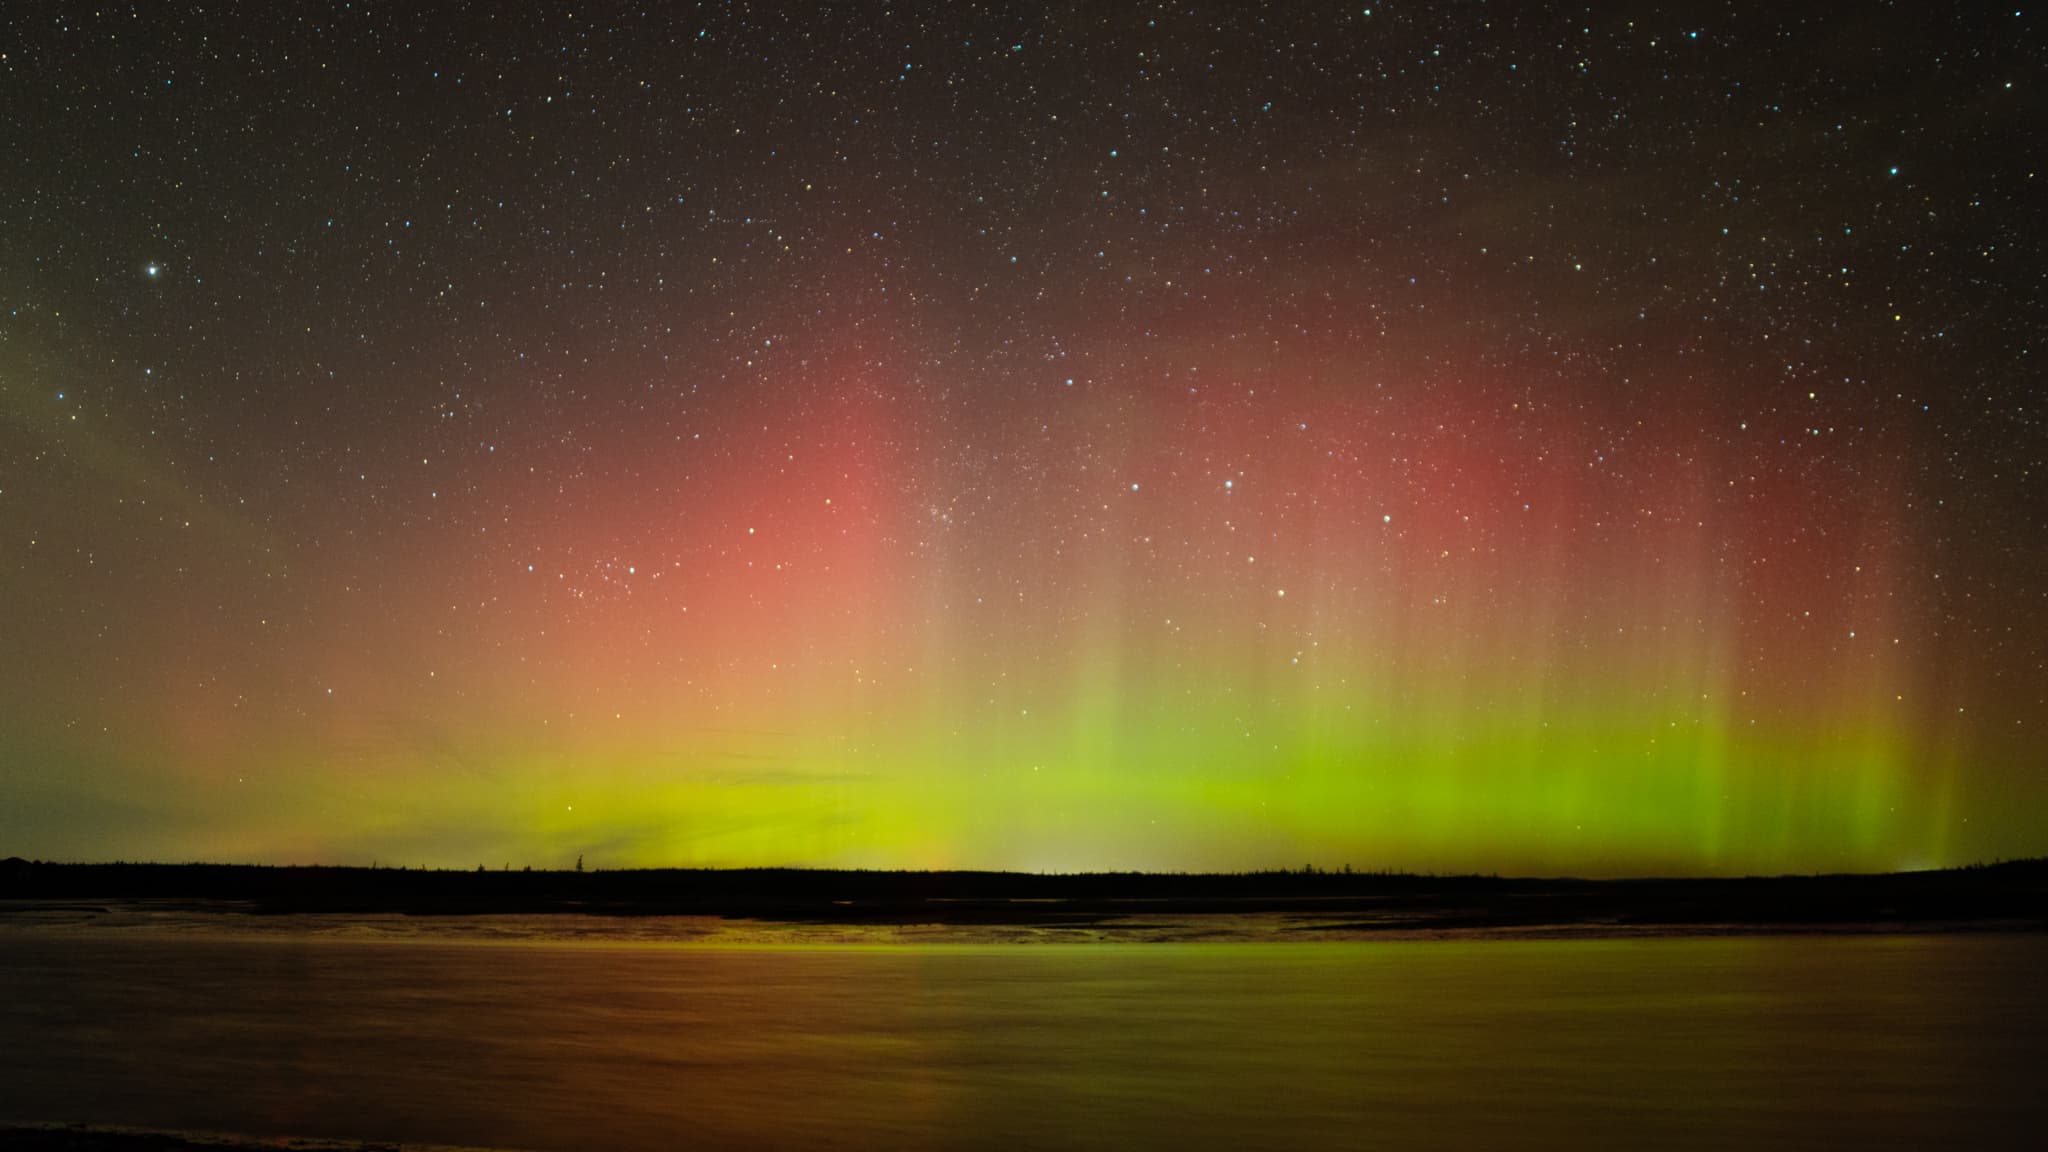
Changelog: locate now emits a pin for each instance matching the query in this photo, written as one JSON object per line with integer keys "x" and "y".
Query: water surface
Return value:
{"x": 1762, "y": 1042}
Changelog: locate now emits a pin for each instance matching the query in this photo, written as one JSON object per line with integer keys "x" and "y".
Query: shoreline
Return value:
{"x": 2002, "y": 897}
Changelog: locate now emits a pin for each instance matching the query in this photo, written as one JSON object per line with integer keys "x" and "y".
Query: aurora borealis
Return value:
{"x": 1437, "y": 436}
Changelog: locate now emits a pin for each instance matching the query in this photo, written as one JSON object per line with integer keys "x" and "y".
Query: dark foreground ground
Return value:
{"x": 2007, "y": 895}
{"x": 86, "y": 1139}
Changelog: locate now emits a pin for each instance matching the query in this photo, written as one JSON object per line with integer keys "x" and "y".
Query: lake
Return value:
{"x": 526, "y": 1041}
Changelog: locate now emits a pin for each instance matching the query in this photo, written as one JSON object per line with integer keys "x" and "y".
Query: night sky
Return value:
{"x": 1444, "y": 436}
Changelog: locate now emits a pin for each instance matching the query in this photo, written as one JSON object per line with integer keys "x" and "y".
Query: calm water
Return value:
{"x": 1786, "y": 1042}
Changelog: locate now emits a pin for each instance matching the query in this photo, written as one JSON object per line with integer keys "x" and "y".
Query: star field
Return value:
{"x": 1455, "y": 436}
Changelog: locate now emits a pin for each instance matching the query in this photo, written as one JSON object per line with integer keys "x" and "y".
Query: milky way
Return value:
{"x": 1450, "y": 436}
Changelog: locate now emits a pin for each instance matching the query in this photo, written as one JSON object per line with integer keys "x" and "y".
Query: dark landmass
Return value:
{"x": 2005, "y": 895}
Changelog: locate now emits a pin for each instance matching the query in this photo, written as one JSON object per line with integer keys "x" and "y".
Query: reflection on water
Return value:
{"x": 1773, "y": 1042}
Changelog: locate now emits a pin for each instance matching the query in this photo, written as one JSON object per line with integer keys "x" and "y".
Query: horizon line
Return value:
{"x": 1310, "y": 870}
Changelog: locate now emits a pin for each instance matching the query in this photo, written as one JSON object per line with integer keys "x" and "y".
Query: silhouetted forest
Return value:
{"x": 2012, "y": 894}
